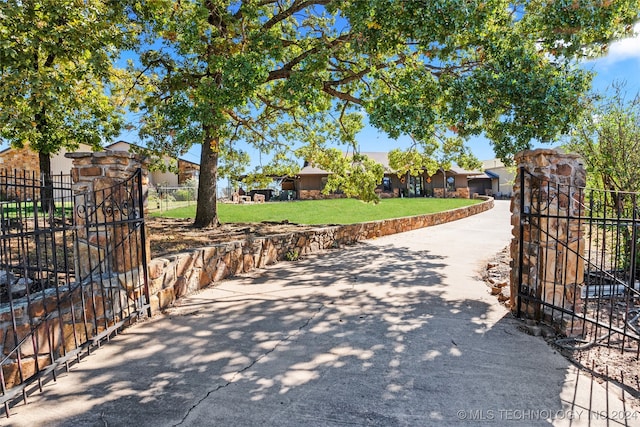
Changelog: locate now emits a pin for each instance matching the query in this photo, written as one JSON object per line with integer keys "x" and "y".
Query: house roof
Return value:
{"x": 312, "y": 170}
{"x": 460, "y": 171}
{"x": 486, "y": 175}
{"x": 110, "y": 146}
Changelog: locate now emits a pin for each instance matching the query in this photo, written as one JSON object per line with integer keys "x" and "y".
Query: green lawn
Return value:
{"x": 312, "y": 212}
{"x": 25, "y": 209}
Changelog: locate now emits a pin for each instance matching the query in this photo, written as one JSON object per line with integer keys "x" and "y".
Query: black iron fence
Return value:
{"x": 72, "y": 272}
{"x": 582, "y": 274}
{"x": 165, "y": 197}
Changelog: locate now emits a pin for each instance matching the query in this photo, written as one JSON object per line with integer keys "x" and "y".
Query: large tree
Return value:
{"x": 283, "y": 74}
{"x": 607, "y": 136}
{"x": 56, "y": 70}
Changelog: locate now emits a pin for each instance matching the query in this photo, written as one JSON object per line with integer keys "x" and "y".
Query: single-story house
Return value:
{"x": 497, "y": 179}
{"x": 310, "y": 181}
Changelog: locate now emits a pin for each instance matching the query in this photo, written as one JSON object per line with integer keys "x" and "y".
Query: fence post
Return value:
{"x": 97, "y": 175}
{"x": 548, "y": 246}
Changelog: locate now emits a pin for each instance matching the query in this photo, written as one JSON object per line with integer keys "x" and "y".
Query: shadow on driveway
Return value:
{"x": 380, "y": 333}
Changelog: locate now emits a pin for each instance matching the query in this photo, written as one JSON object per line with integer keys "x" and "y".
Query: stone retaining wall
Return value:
{"x": 186, "y": 272}
{"x": 54, "y": 324}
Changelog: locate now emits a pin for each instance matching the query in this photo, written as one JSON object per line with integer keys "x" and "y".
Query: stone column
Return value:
{"x": 552, "y": 236}
{"x": 99, "y": 203}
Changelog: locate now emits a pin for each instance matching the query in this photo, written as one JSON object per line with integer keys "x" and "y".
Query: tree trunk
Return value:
{"x": 46, "y": 189}
{"x": 206, "y": 209}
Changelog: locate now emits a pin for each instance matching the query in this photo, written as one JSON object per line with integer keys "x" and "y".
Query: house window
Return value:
{"x": 386, "y": 184}
{"x": 451, "y": 184}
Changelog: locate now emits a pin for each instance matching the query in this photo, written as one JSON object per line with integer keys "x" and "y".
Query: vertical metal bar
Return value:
{"x": 67, "y": 198}
{"x": 100, "y": 203}
{"x": 4, "y": 259}
{"x": 130, "y": 249}
{"x": 143, "y": 240}
{"x": 521, "y": 244}
{"x": 565, "y": 244}
{"x": 81, "y": 280}
{"x": 628, "y": 298}
{"x": 111, "y": 253}
{"x": 22, "y": 253}
{"x": 591, "y": 253}
{"x": 580, "y": 215}
{"x": 75, "y": 213}
{"x": 93, "y": 222}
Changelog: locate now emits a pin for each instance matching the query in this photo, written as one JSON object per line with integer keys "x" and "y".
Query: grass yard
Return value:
{"x": 10, "y": 209}
{"x": 314, "y": 212}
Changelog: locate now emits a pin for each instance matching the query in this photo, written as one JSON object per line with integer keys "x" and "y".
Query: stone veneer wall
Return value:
{"x": 460, "y": 193}
{"x": 186, "y": 272}
{"x": 20, "y": 158}
{"x": 553, "y": 264}
{"x": 317, "y": 195}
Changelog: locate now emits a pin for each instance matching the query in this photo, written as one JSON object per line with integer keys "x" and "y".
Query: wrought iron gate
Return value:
{"x": 73, "y": 271}
{"x": 582, "y": 273}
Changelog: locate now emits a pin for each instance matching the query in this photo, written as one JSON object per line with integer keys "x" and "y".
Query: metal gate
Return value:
{"x": 582, "y": 273}
{"x": 73, "y": 271}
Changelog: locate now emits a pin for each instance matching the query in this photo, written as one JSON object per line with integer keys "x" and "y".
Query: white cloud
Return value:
{"x": 625, "y": 49}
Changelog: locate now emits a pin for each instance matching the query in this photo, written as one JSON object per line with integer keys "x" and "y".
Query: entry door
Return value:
{"x": 415, "y": 186}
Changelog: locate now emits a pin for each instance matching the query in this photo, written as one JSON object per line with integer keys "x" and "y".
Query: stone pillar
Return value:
{"x": 102, "y": 245}
{"x": 552, "y": 236}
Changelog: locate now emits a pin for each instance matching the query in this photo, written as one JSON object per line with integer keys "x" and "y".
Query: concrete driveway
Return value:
{"x": 393, "y": 331}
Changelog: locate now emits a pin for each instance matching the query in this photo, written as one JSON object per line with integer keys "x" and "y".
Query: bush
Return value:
{"x": 184, "y": 194}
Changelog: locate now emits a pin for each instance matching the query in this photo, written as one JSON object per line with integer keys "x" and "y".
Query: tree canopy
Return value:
{"x": 298, "y": 74}
{"x": 607, "y": 136}
{"x": 301, "y": 75}
{"x": 56, "y": 73}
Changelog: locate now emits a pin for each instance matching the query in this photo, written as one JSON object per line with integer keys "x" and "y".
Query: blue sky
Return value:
{"x": 622, "y": 63}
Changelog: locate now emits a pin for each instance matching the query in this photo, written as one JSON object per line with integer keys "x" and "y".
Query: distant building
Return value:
{"x": 310, "y": 181}
{"x": 186, "y": 170}
{"x": 502, "y": 184}
{"x": 25, "y": 159}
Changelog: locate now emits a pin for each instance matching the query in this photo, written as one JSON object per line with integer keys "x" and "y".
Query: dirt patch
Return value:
{"x": 167, "y": 235}
{"x": 606, "y": 364}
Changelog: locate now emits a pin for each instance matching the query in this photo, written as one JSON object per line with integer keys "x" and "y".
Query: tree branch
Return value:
{"x": 295, "y": 7}
{"x": 327, "y": 88}
{"x": 285, "y": 71}
{"x": 246, "y": 123}
{"x": 272, "y": 105}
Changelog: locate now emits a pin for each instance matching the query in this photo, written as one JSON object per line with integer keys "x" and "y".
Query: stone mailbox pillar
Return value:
{"x": 548, "y": 243}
